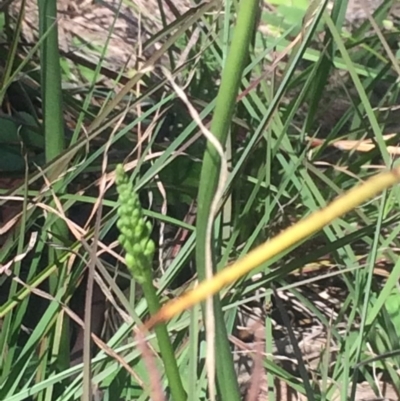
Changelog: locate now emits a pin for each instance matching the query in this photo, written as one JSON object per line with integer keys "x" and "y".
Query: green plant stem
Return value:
{"x": 167, "y": 353}
{"x": 52, "y": 105}
{"x": 51, "y": 81}
{"x": 54, "y": 146}
{"x": 52, "y": 101}
{"x": 225, "y": 104}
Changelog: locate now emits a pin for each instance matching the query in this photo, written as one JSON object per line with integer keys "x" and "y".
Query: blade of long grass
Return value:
{"x": 288, "y": 238}
{"x": 362, "y": 93}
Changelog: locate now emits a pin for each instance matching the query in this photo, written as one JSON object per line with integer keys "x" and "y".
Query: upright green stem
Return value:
{"x": 52, "y": 103}
{"x": 54, "y": 145}
{"x": 51, "y": 80}
{"x": 225, "y": 104}
{"x": 167, "y": 353}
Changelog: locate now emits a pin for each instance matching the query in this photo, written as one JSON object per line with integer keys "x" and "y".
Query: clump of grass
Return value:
{"x": 284, "y": 162}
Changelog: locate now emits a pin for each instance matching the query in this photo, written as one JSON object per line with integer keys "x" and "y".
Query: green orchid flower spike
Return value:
{"x": 135, "y": 231}
{"x": 135, "y": 239}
